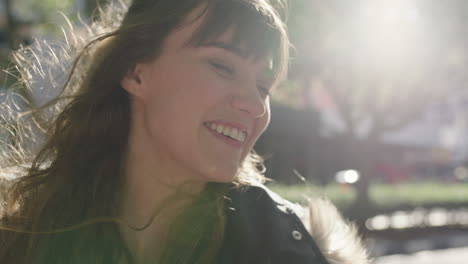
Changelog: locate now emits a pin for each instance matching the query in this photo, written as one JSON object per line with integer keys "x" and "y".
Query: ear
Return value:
{"x": 132, "y": 82}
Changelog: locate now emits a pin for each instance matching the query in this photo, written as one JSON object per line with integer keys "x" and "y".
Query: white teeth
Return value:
{"x": 234, "y": 133}
{"x": 227, "y": 131}
{"x": 231, "y": 132}
{"x": 220, "y": 129}
{"x": 241, "y": 137}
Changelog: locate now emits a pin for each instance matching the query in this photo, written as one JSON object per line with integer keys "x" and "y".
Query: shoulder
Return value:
{"x": 262, "y": 227}
{"x": 301, "y": 234}
{"x": 260, "y": 199}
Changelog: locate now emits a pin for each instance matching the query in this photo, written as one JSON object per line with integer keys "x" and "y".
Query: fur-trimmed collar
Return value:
{"x": 261, "y": 211}
{"x": 337, "y": 239}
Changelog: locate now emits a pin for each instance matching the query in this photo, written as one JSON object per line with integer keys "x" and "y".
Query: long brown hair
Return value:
{"x": 65, "y": 160}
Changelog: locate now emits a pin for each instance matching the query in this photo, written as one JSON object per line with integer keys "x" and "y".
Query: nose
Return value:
{"x": 250, "y": 102}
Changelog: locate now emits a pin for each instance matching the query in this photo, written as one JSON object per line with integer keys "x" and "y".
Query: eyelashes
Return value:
{"x": 227, "y": 71}
{"x": 222, "y": 68}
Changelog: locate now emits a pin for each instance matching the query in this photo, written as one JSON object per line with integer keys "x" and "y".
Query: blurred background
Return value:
{"x": 374, "y": 115}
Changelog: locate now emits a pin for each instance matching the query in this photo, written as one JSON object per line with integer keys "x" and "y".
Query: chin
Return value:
{"x": 220, "y": 172}
{"x": 223, "y": 177}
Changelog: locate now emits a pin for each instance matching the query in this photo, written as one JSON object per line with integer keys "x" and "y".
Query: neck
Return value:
{"x": 151, "y": 197}
{"x": 152, "y": 205}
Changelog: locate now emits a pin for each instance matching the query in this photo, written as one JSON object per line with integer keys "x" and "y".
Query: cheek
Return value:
{"x": 264, "y": 121}
{"x": 267, "y": 119}
{"x": 259, "y": 128}
{"x": 181, "y": 102}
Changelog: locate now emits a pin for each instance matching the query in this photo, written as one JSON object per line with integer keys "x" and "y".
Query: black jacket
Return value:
{"x": 263, "y": 228}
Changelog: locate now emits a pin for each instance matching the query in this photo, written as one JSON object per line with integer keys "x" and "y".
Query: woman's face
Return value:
{"x": 198, "y": 110}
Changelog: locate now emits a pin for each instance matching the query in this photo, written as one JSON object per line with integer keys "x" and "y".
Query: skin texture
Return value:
{"x": 170, "y": 146}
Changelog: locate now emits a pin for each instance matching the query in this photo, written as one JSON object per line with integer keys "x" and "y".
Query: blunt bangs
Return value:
{"x": 258, "y": 31}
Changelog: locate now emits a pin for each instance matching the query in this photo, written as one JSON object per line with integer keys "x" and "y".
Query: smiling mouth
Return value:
{"x": 226, "y": 131}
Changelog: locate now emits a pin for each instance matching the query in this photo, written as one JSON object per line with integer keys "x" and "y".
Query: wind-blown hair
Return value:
{"x": 61, "y": 166}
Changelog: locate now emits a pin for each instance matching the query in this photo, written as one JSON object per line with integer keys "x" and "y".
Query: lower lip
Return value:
{"x": 229, "y": 141}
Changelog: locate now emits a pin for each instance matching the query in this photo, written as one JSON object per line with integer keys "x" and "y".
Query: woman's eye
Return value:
{"x": 222, "y": 68}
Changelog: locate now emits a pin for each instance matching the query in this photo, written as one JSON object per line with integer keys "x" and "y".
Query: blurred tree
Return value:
{"x": 373, "y": 67}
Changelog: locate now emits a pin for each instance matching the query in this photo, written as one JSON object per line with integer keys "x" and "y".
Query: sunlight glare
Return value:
{"x": 389, "y": 30}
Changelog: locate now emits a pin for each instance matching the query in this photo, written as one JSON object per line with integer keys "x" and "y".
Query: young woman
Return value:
{"x": 149, "y": 158}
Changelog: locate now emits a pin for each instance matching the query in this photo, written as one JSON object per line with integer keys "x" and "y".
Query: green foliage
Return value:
{"x": 419, "y": 193}
{"x": 34, "y": 10}
{"x": 47, "y": 15}
{"x": 383, "y": 195}
{"x": 340, "y": 195}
